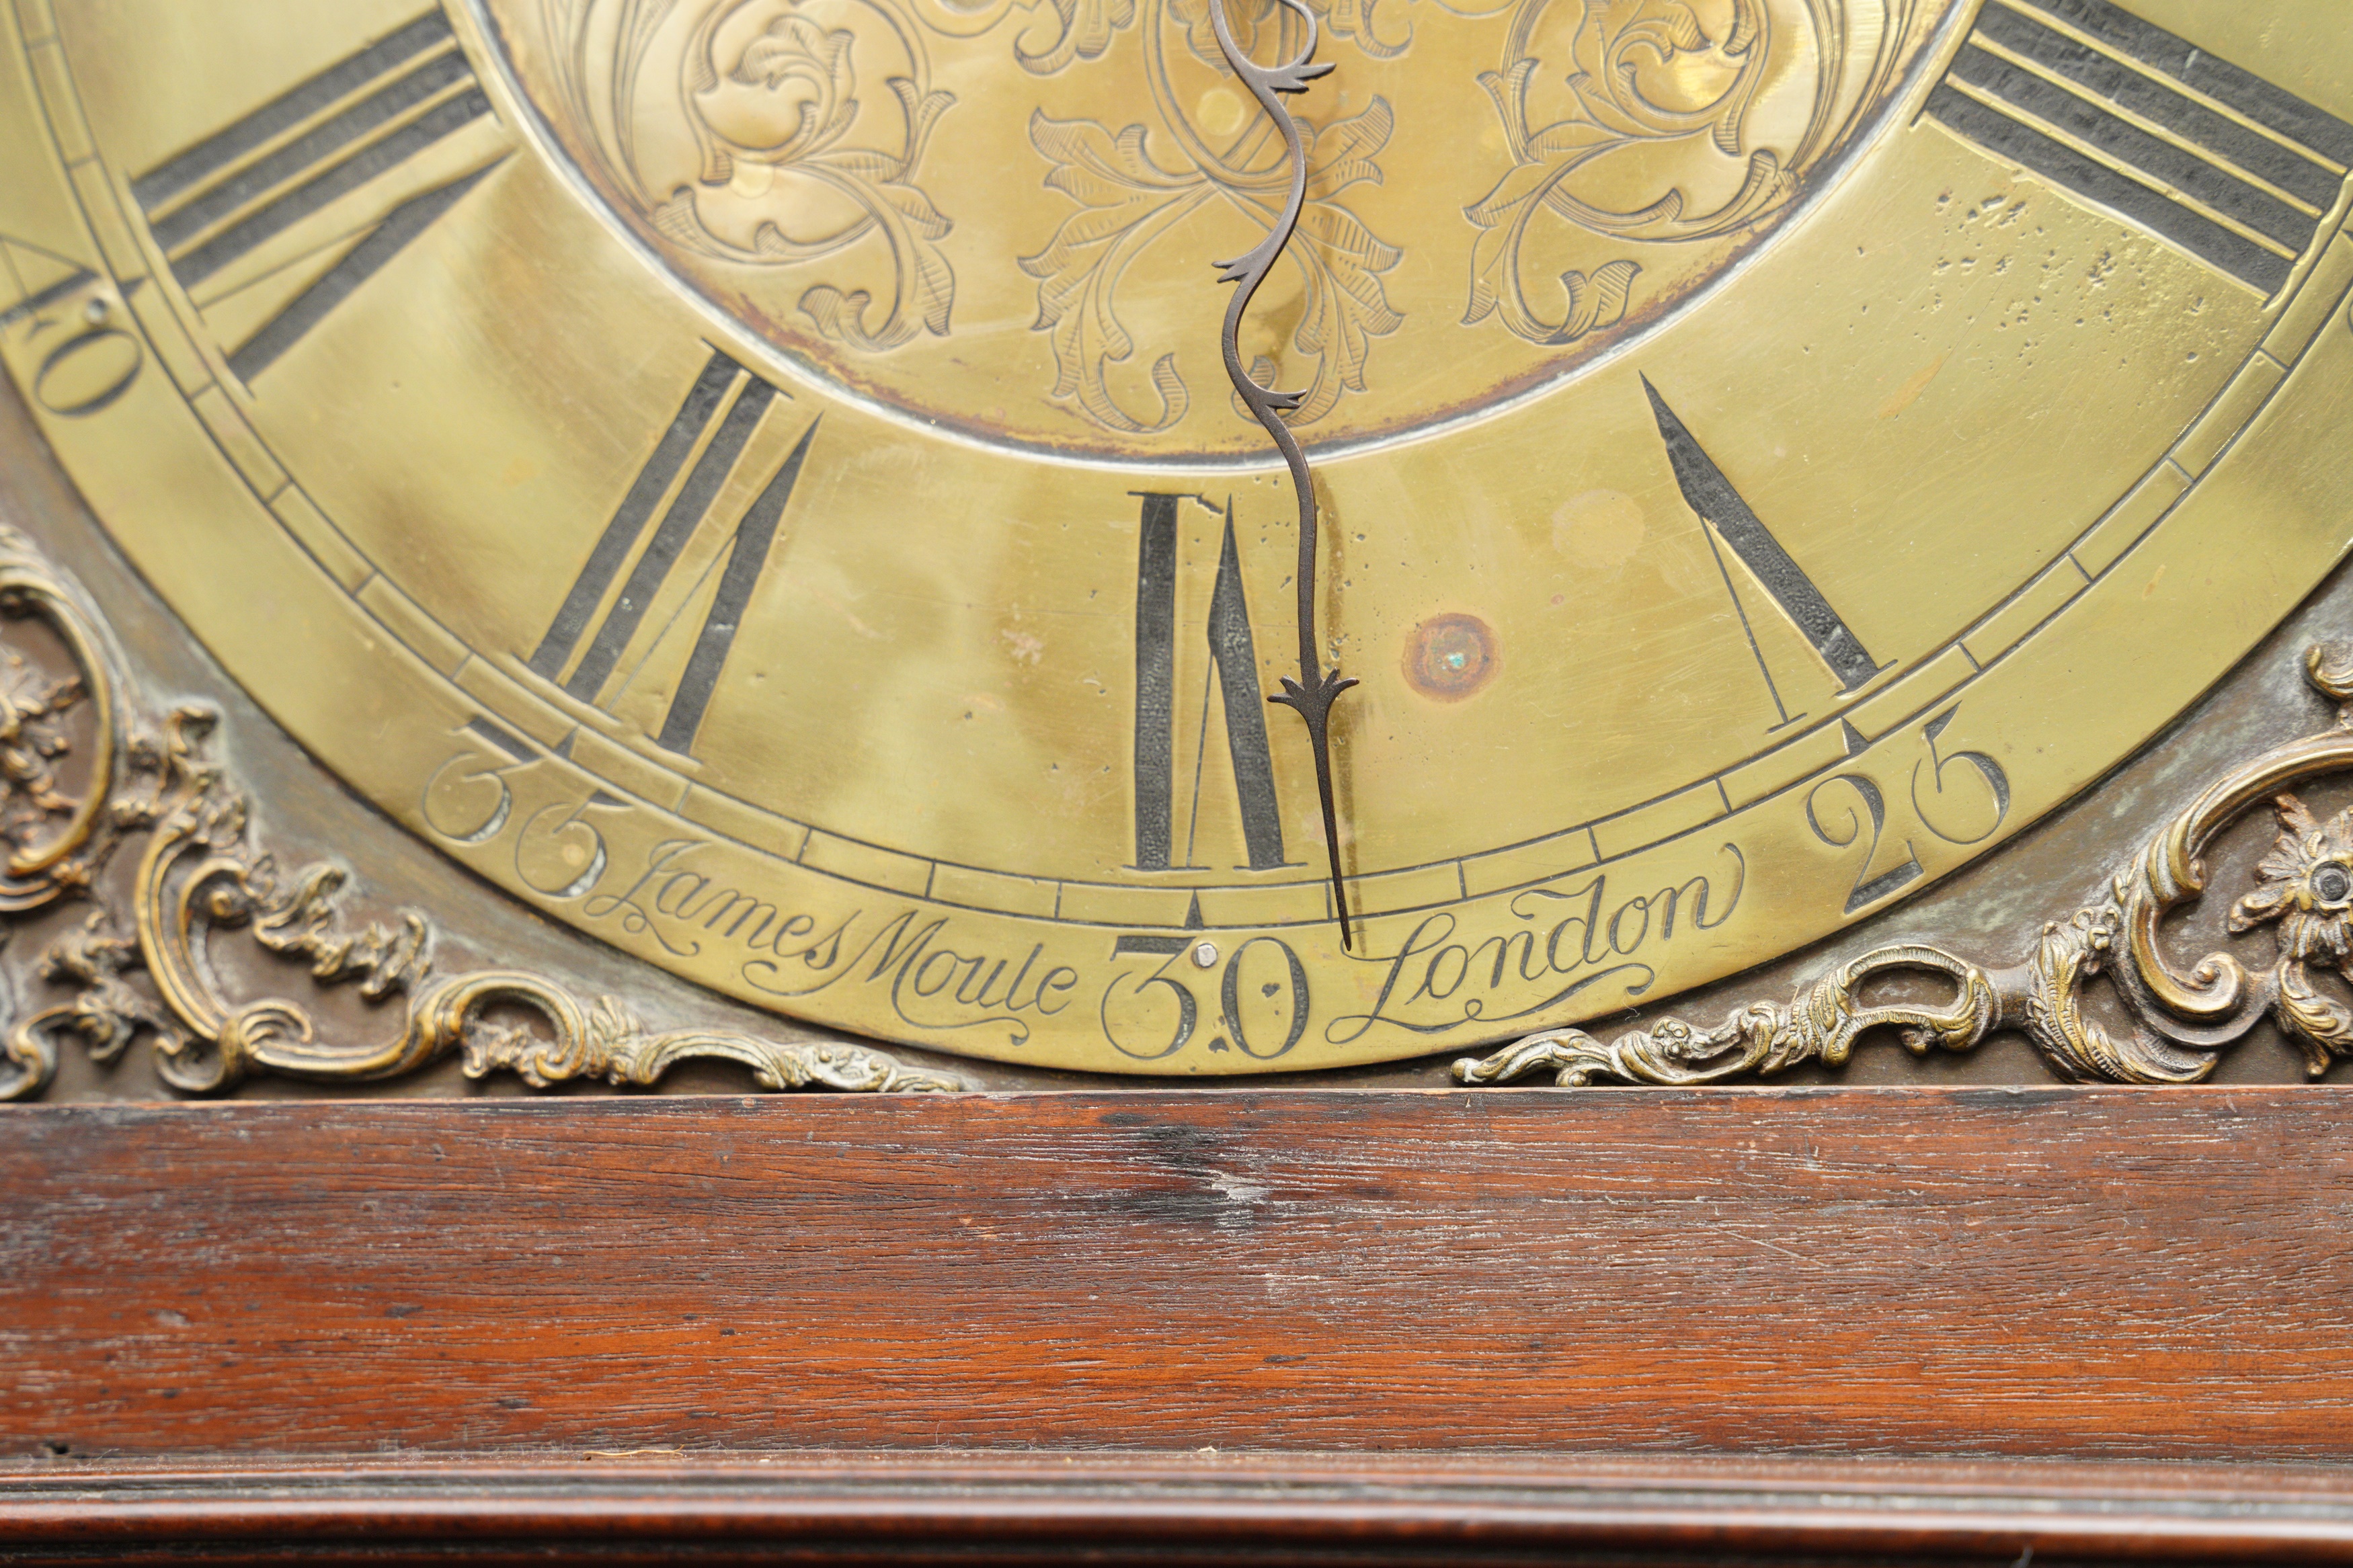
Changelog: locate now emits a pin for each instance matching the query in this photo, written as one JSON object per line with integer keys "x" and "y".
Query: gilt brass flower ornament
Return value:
{"x": 32, "y": 740}
{"x": 2306, "y": 885}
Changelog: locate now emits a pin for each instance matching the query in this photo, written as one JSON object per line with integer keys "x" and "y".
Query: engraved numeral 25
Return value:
{"x": 1934, "y": 779}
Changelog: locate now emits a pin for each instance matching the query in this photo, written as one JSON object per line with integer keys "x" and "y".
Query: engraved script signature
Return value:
{"x": 931, "y": 984}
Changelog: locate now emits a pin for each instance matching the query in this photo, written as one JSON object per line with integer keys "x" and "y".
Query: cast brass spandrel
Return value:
{"x": 2181, "y": 1020}
{"x": 149, "y": 784}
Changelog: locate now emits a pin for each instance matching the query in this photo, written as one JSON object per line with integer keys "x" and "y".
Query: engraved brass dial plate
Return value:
{"x": 754, "y": 479}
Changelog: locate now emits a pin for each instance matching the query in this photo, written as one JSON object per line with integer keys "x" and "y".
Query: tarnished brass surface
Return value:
{"x": 2181, "y": 1022}
{"x": 198, "y": 874}
{"x": 2052, "y": 466}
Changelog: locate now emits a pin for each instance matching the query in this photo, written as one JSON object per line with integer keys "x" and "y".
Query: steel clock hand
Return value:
{"x": 1310, "y": 696}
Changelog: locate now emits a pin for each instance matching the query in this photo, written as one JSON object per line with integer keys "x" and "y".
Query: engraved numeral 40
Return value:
{"x": 82, "y": 362}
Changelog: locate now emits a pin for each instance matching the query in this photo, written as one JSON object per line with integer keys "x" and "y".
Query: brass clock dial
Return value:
{"x": 754, "y": 479}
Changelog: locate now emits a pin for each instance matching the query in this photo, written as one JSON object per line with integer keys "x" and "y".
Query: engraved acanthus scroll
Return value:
{"x": 755, "y": 134}
{"x": 2180, "y": 1021}
{"x": 1649, "y": 80}
{"x": 978, "y": 210}
{"x": 1130, "y": 200}
{"x": 198, "y": 876}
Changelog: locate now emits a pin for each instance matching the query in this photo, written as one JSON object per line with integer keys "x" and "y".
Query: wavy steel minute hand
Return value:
{"x": 1312, "y": 694}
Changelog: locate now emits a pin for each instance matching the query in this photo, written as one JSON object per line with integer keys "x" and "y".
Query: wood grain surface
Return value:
{"x": 2045, "y": 1273}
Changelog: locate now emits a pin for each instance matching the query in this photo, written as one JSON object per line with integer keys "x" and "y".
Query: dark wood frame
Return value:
{"x": 846, "y": 1507}
{"x": 1864, "y": 1324}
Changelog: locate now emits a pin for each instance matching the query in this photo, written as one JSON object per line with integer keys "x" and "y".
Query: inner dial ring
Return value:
{"x": 992, "y": 218}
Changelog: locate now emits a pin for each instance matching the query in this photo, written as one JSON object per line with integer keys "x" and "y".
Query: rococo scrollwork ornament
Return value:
{"x": 199, "y": 877}
{"x": 2180, "y": 1021}
{"x": 776, "y": 167}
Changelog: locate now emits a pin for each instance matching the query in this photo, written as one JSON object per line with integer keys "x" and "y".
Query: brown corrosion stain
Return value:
{"x": 1450, "y": 657}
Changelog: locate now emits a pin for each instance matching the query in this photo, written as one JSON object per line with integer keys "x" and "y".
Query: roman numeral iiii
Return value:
{"x": 704, "y": 442}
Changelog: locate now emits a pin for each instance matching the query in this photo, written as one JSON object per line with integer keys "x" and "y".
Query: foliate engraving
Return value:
{"x": 1129, "y": 200}
{"x": 1648, "y": 79}
{"x": 756, "y": 134}
{"x": 890, "y": 190}
{"x": 199, "y": 877}
{"x": 2181, "y": 1021}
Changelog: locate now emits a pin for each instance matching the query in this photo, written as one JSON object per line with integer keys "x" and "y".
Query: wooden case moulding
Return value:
{"x": 837, "y": 1507}
{"x": 665, "y": 1319}
{"x": 2087, "y": 1274}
